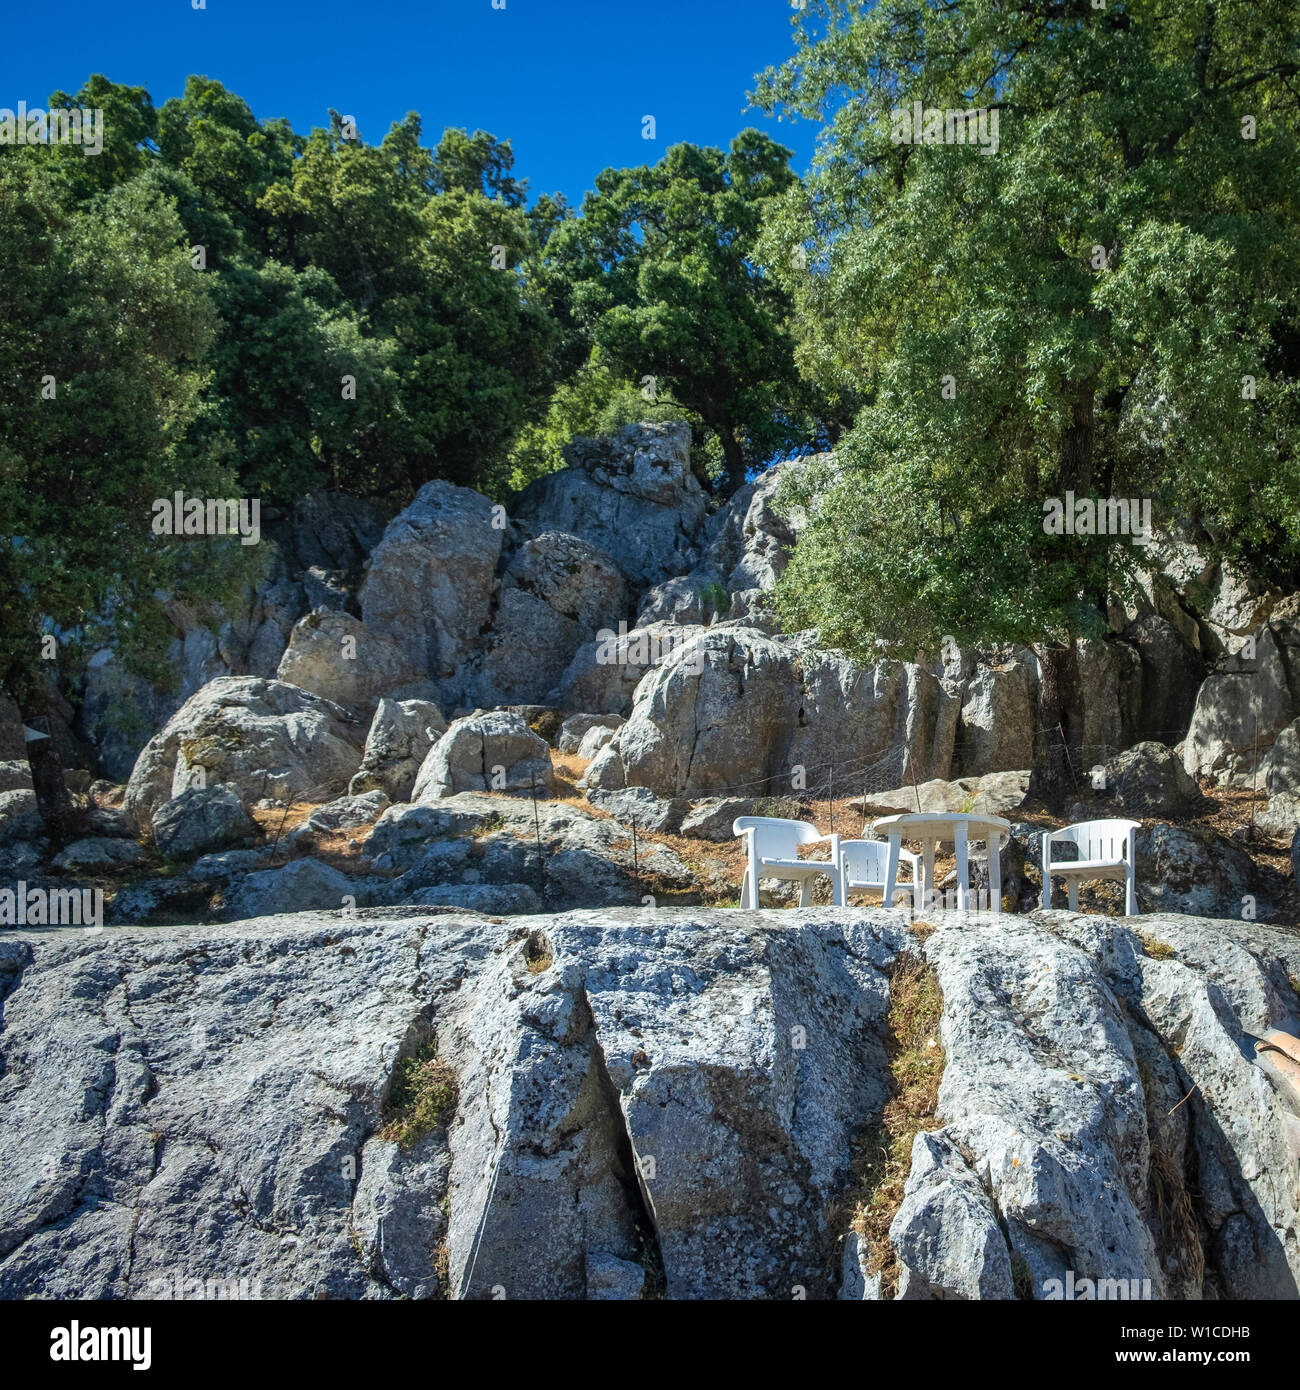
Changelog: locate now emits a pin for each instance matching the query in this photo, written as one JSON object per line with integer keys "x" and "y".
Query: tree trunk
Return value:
{"x": 1062, "y": 722}
{"x": 52, "y": 798}
{"x": 734, "y": 456}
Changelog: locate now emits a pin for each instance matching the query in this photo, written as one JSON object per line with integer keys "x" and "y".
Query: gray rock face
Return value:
{"x": 336, "y": 656}
{"x": 1110, "y": 687}
{"x": 996, "y": 733}
{"x": 201, "y": 820}
{"x": 1279, "y": 774}
{"x": 604, "y": 674}
{"x": 401, "y": 734}
{"x": 19, "y": 818}
{"x": 298, "y": 886}
{"x": 1172, "y": 672}
{"x": 576, "y": 727}
{"x": 1149, "y": 781}
{"x": 996, "y": 794}
{"x": 431, "y": 579}
{"x": 260, "y": 738}
{"x": 1246, "y": 702}
{"x": 636, "y": 1091}
{"x": 97, "y": 854}
{"x": 735, "y": 711}
{"x": 633, "y": 496}
{"x": 1197, "y": 872}
{"x": 557, "y": 592}
{"x": 485, "y": 752}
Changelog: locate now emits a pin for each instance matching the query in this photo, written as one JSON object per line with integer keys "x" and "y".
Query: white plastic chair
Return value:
{"x": 772, "y": 851}
{"x": 865, "y": 864}
{"x": 1105, "y": 851}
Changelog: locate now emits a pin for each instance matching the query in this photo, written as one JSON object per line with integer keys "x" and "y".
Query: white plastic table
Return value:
{"x": 934, "y": 829}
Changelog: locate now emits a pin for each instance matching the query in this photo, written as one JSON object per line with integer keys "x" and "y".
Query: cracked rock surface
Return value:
{"x": 650, "y": 1103}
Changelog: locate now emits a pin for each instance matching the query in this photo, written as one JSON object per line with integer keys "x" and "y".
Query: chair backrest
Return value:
{"x": 1097, "y": 839}
{"x": 865, "y": 860}
{"x": 775, "y": 838}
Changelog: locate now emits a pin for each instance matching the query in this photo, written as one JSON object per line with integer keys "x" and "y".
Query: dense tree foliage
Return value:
{"x": 1111, "y": 299}
{"x": 666, "y": 283}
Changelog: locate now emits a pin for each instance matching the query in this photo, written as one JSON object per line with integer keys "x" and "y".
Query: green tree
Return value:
{"x": 664, "y": 281}
{"x": 102, "y": 327}
{"x": 1095, "y": 296}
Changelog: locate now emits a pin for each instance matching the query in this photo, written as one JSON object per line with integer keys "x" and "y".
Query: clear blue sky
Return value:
{"x": 567, "y": 81}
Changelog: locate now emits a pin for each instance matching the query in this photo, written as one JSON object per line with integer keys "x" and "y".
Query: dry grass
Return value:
{"x": 1158, "y": 950}
{"x": 423, "y": 1095}
{"x": 916, "y": 1062}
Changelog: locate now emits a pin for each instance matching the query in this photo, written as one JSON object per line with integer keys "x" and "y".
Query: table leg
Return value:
{"x": 927, "y": 873}
{"x": 995, "y": 875}
{"x": 891, "y": 866}
{"x": 963, "y": 865}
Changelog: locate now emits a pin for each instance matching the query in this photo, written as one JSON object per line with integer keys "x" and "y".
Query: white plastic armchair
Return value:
{"x": 772, "y": 851}
{"x": 1105, "y": 851}
{"x": 865, "y": 864}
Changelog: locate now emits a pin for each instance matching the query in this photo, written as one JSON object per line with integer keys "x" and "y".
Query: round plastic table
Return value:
{"x": 933, "y": 830}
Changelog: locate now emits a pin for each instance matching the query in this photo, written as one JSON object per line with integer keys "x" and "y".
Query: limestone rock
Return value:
{"x": 401, "y": 734}
{"x": 431, "y": 579}
{"x": 261, "y": 738}
{"x": 466, "y": 756}
{"x": 294, "y": 887}
{"x": 97, "y": 854}
{"x": 201, "y": 820}
{"x": 1148, "y": 780}
{"x": 577, "y": 726}
{"x": 632, "y": 496}
{"x": 336, "y": 656}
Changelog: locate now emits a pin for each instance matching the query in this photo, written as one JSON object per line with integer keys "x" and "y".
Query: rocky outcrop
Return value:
{"x": 432, "y": 578}
{"x": 260, "y": 738}
{"x": 336, "y": 656}
{"x": 640, "y": 1103}
{"x": 996, "y": 731}
{"x": 557, "y": 592}
{"x": 734, "y": 710}
{"x": 485, "y": 752}
{"x": 1248, "y": 700}
{"x": 401, "y": 734}
{"x": 633, "y": 496}
{"x": 199, "y": 821}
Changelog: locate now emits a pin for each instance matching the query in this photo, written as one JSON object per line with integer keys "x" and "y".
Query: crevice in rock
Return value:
{"x": 629, "y": 1172}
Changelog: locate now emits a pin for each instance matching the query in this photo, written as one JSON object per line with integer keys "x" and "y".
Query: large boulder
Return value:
{"x": 632, "y": 496}
{"x": 98, "y": 854}
{"x": 201, "y": 820}
{"x": 336, "y": 656}
{"x": 431, "y": 579}
{"x": 734, "y": 711}
{"x": 1248, "y": 700}
{"x": 674, "y": 1091}
{"x": 1200, "y": 873}
{"x": 1279, "y": 774}
{"x": 996, "y": 730}
{"x": 1148, "y": 780}
{"x": 298, "y": 886}
{"x": 260, "y": 738}
{"x": 401, "y": 734}
{"x": 557, "y": 592}
{"x": 485, "y": 752}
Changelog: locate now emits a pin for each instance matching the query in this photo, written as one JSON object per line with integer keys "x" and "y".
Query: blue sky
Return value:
{"x": 568, "y": 81}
